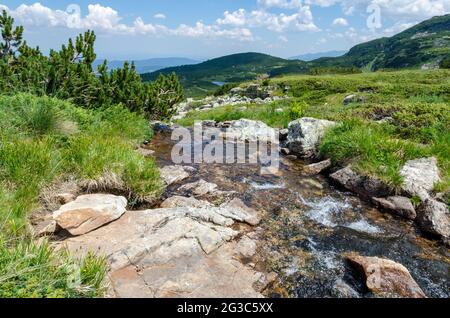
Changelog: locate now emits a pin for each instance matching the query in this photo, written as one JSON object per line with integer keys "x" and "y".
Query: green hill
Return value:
{"x": 198, "y": 79}
{"x": 425, "y": 43}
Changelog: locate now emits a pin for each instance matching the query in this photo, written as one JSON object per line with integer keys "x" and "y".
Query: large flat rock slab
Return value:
{"x": 172, "y": 252}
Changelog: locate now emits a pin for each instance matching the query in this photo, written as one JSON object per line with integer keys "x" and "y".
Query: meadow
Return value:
{"x": 398, "y": 116}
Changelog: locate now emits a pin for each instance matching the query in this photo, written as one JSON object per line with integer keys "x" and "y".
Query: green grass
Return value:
{"x": 266, "y": 113}
{"x": 43, "y": 140}
{"x": 417, "y": 101}
{"x": 32, "y": 270}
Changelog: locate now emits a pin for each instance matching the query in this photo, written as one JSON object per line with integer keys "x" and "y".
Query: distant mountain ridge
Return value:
{"x": 240, "y": 67}
{"x": 150, "y": 65}
{"x": 425, "y": 45}
{"x": 314, "y": 56}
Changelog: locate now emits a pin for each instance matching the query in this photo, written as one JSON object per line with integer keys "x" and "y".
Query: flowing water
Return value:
{"x": 309, "y": 225}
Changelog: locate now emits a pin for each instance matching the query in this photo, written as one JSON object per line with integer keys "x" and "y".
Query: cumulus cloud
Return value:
{"x": 404, "y": 9}
{"x": 301, "y": 20}
{"x": 106, "y": 19}
{"x": 340, "y": 22}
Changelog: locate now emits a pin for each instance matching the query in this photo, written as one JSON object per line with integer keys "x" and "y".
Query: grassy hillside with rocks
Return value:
{"x": 426, "y": 45}
{"x": 387, "y": 118}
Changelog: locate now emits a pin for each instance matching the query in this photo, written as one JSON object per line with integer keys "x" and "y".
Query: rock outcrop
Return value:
{"x": 317, "y": 168}
{"x": 250, "y": 130}
{"x": 174, "y": 174}
{"x": 363, "y": 185}
{"x": 420, "y": 177}
{"x": 397, "y": 205}
{"x": 353, "y": 98}
{"x": 434, "y": 218}
{"x": 305, "y": 135}
{"x": 177, "y": 252}
{"x": 386, "y": 278}
{"x": 89, "y": 212}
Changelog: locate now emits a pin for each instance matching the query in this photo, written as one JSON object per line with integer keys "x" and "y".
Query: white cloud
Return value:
{"x": 404, "y": 9}
{"x": 321, "y": 3}
{"x": 161, "y": 16}
{"x": 340, "y": 22}
{"x": 283, "y": 38}
{"x": 106, "y": 19}
{"x": 286, "y": 4}
{"x": 301, "y": 20}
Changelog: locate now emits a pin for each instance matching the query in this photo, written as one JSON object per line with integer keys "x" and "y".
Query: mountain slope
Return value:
{"x": 314, "y": 56}
{"x": 151, "y": 65}
{"x": 232, "y": 68}
{"x": 426, "y": 43}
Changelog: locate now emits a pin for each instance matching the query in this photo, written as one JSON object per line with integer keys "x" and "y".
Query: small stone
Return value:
{"x": 64, "y": 198}
{"x": 49, "y": 229}
{"x": 285, "y": 151}
{"x": 434, "y": 218}
{"x": 353, "y": 99}
{"x": 146, "y": 152}
{"x": 398, "y": 205}
{"x": 173, "y": 174}
{"x": 386, "y": 278}
{"x": 246, "y": 247}
{"x": 200, "y": 188}
{"x": 291, "y": 157}
{"x": 241, "y": 212}
{"x": 317, "y": 168}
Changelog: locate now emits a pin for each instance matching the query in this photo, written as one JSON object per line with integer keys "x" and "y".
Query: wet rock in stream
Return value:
{"x": 307, "y": 230}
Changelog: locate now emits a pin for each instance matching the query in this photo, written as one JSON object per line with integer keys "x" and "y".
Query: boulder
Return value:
{"x": 199, "y": 188}
{"x": 363, "y": 185}
{"x": 173, "y": 174}
{"x": 420, "y": 176}
{"x": 434, "y": 217}
{"x": 239, "y": 211}
{"x": 398, "y": 205}
{"x": 159, "y": 126}
{"x": 250, "y": 130}
{"x": 89, "y": 212}
{"x": 353, "y": 99}
{"x": 386, "y": 278}
{"x": 317, "y": 168}
{"x": 305, "y": 135}
{"x": 180, "y": 252}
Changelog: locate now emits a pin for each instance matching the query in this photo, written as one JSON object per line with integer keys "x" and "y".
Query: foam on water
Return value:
{"x": 364, "y": 226}
{"x": 325, "y": 210}
{"x": 266, "y": 186}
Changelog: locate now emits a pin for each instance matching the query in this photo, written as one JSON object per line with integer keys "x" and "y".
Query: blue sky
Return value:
{"x": 202, "y": 29}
